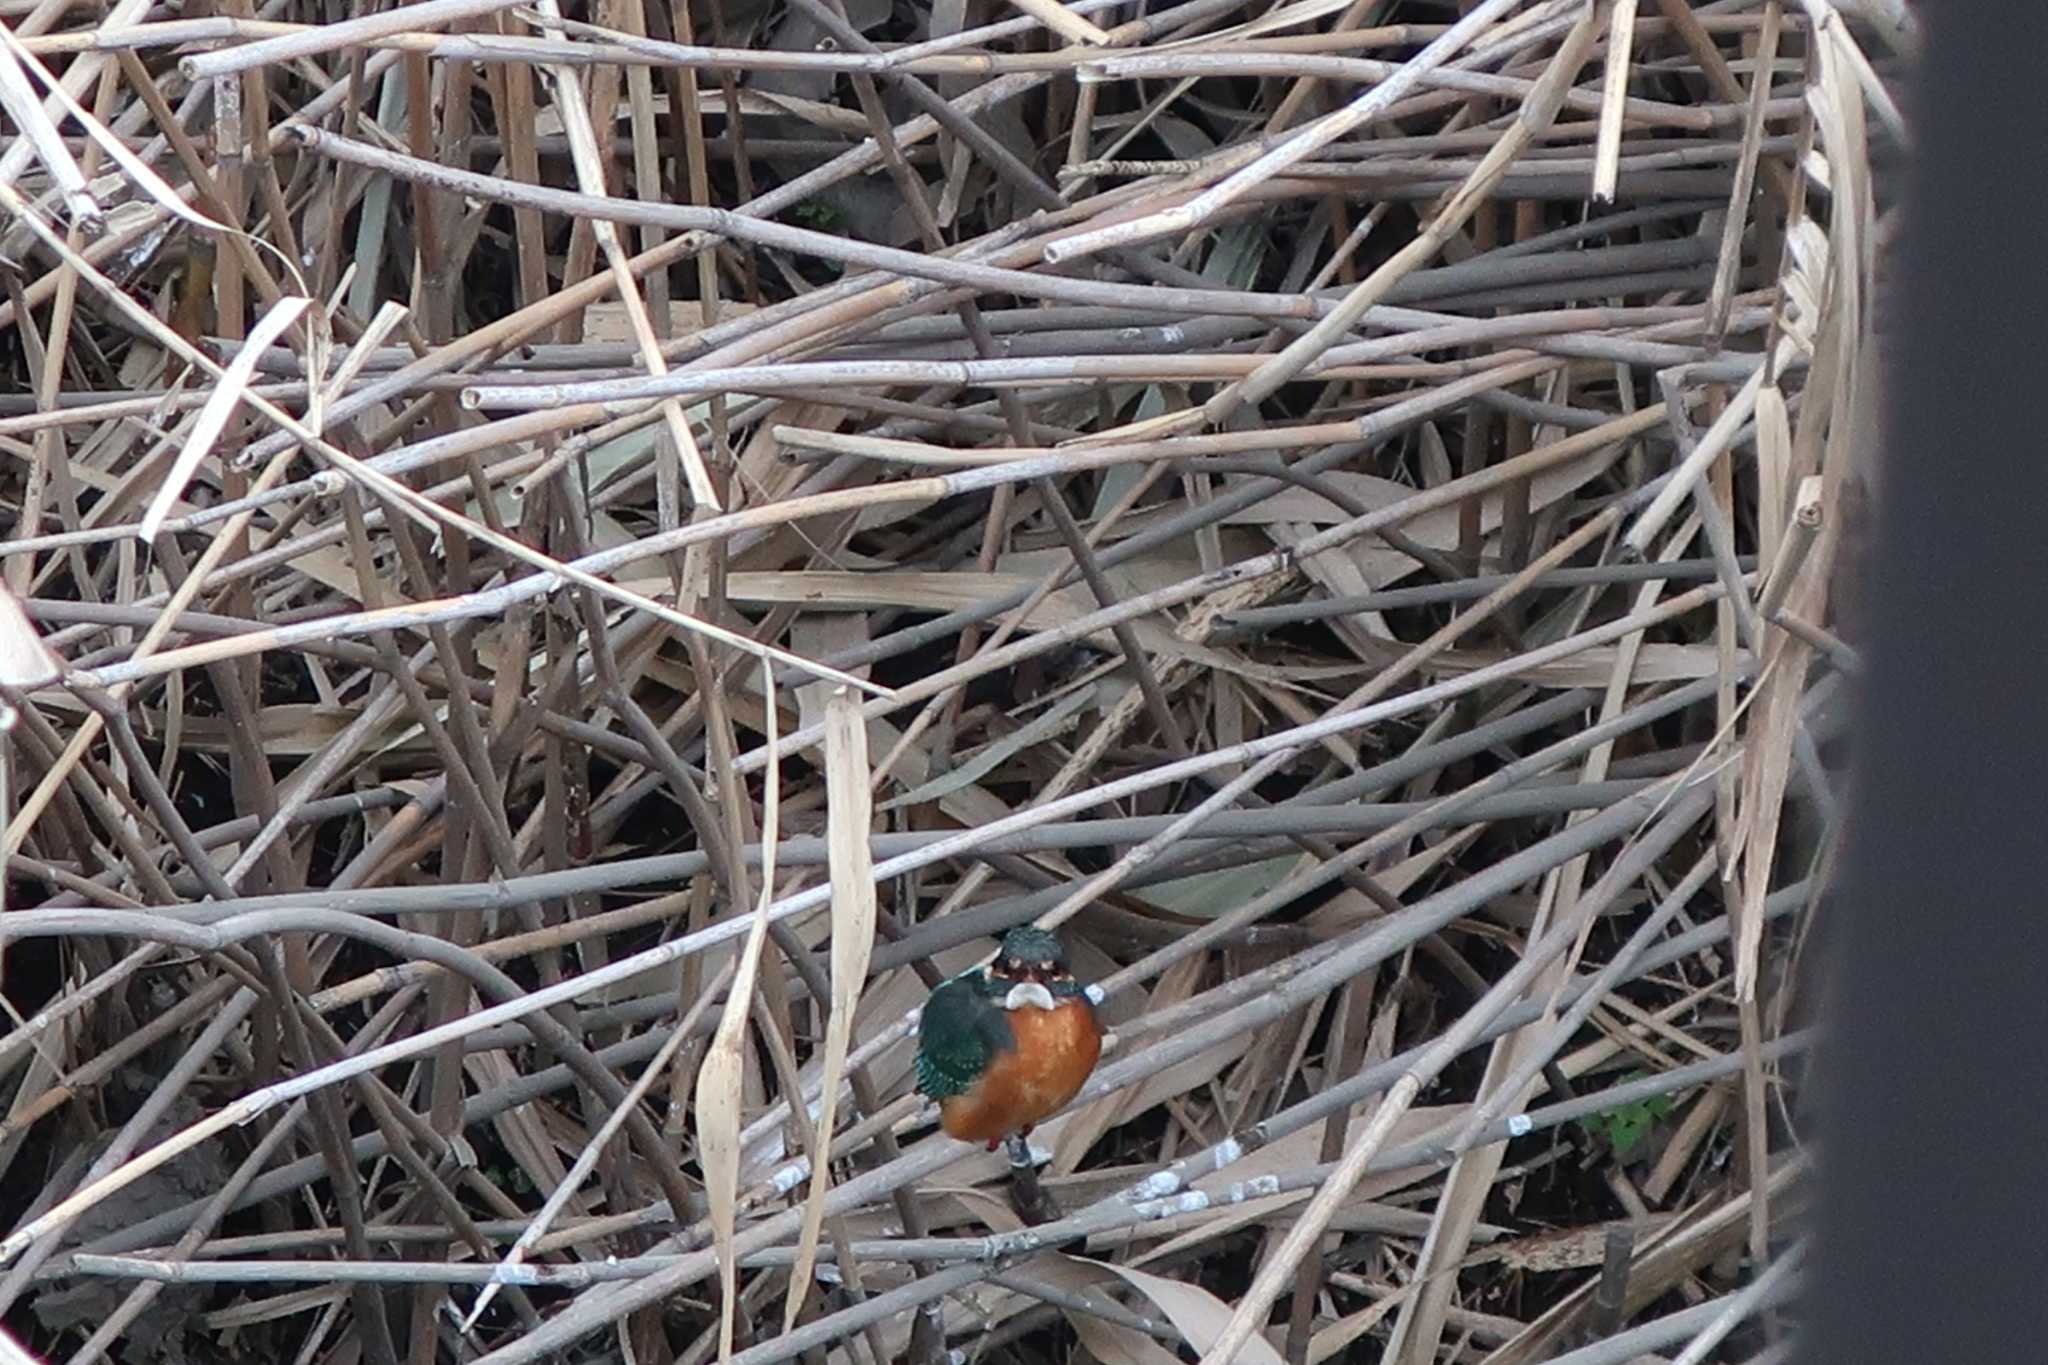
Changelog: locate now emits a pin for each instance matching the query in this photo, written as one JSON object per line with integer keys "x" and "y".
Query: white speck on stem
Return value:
{"x": 1192, "y": 1201}
{"x": 1158, "y": 1185}
{"x": 1258, "y": 1187}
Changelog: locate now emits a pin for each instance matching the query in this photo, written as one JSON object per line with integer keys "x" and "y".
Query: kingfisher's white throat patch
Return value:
{"x": 1028, "y": 993}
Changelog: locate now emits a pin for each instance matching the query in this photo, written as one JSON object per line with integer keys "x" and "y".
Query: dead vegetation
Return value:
{"x": 586, "y": 556}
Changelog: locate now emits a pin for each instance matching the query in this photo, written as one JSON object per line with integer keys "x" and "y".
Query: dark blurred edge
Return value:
{"x": 1933, "y": 1240}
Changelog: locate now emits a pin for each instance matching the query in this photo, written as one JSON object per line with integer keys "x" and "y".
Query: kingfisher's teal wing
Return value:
{"x": 959, "y": 1034}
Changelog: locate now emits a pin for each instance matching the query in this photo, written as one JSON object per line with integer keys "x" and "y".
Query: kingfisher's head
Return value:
{"x": 1031, "y": 970}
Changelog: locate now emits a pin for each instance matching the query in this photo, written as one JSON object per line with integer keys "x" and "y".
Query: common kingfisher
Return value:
{"x": 1007, "y": 1045}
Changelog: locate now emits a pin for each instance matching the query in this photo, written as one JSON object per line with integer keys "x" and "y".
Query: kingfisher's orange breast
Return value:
{"x": 1056, "y": 1049}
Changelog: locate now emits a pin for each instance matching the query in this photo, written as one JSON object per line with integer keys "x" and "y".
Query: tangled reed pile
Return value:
{"x": 567, "y": 562}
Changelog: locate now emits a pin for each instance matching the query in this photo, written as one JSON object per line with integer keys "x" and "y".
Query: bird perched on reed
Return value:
{"x": 1006, "y": 1046}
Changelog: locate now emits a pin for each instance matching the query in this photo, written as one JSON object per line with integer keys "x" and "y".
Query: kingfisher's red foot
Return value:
{"x": 994, "y": 1143}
